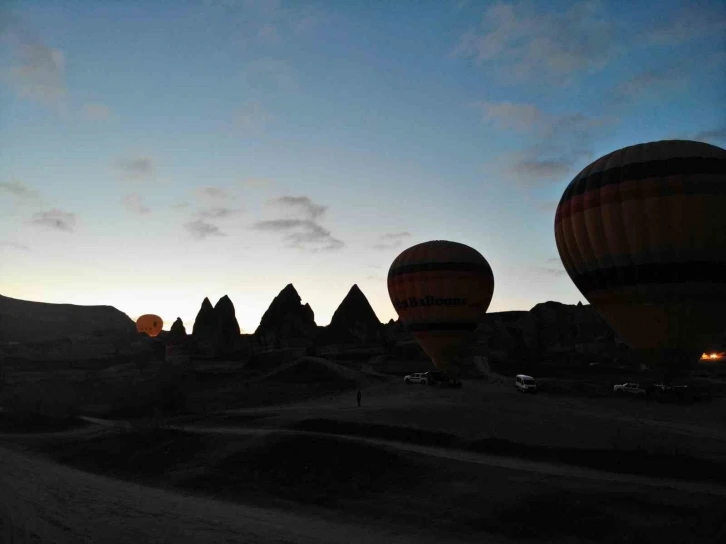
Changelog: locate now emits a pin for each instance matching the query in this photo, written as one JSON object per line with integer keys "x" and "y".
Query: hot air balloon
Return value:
{"x": 642, "y": 234}
{"x": 441, "y": 291}
{"x": 150, "y": 324}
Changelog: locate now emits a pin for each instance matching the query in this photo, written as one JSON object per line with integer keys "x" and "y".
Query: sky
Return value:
{"x": 156, "y": 153}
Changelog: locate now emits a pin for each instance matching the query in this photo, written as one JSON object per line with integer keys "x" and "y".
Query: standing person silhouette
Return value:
{"x": 359, "y": 397}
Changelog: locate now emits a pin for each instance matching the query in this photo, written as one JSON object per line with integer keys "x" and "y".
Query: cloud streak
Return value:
{"x": 38, "y": 71}
{"x": 271, "y": 74}
{"x": 218, "y": 213}
{"x": 302, "y": 230}
{"x": 253, "y": 117}
{"x": 202, "y": 229}
{"x": 690, "y": 21}
{"x": 214, "y": 193}
{"x": 557, "y": 143}
{"x": 392, "y": 240}
{"x": 302, "y": 234}
{"x": 547, "y": 45}
{"x": 55, "y": 219}
{"x": 14, "y": 245}
{"x": 709, "y": 136}
{"x": 19, "y": 190}
{"x": 134, "y": 204}
{"x": 136, "y": 168}
{"x": 302, "y": 205}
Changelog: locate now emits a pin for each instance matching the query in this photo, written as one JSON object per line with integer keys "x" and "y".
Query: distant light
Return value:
{"x": 712, "y": 356}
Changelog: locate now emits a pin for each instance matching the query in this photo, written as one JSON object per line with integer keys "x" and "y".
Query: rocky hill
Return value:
{"x": 548, "y": 329}
{"x": 216, "y": 331}
{"x": 287, "y": 321}
{"x": 353, "y": 322}
{"x": 28, "y": 321}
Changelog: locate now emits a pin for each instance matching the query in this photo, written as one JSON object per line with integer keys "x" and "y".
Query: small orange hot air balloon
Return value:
{"x": 150, "y": 324}
{"x": 441, "y": 291}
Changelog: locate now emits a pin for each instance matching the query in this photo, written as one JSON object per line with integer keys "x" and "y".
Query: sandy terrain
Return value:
{"x": 489, "y": 460}
{"x": 57, "y": 503}
{"x": 63, "y": 505}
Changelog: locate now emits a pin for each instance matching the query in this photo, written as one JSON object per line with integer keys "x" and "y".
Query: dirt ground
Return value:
{"x": 51, "y": 503}
{"x": 292, "y": 485}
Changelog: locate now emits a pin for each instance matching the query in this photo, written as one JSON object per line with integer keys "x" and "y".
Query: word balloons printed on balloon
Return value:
{"x": 441, "y": 291}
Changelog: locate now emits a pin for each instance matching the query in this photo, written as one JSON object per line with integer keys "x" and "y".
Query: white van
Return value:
{"x": 526, "y": 384}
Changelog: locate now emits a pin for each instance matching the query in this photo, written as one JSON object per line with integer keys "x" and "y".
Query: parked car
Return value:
{"x": 441, "y": 379}
{"x": 629, "y": 388}
{"x": 417, "y": 377}
{"x": 526, "y": 384}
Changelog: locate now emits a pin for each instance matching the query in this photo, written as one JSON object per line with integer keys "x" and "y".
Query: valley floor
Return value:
{"x": 326, "y": 470}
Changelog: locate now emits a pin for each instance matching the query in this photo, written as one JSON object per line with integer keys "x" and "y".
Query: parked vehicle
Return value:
{"x": 526, "y": 384}
{"x": 417, "y": 377}
{"x": 441, "y": 379}
{"x": 629, "y": 388}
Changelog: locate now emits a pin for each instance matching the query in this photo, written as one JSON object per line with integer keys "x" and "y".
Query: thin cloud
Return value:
{"x": 136, "y": 168}
{"x": 532, "y": 168}
{"x": 37, "y": 72}
{"x": 510, "y": 115}
{"x": 15, "y": 245}
{"x": 656, "y": 82}
{"x": 546, "y": 45}
{"x": 692, "y": 20}
{"x": 270, "y": 22}
{"x": 302, "y": 234}
{"x": 300, "y": 204}
{"x": 553, "y": 267}
{"x": 55, "y": 219}
{"x": 134, "y": 204}
{"x": 708, "y": 136}
{"x": 392, "y": 240}
{"x": 180, "y": 206}
{"x": 19, "y": 190}
{"x": 554, "y": 271}
{"x": 216, "y": 193}
{"x": 218, "y": 213}
{"x": 558, "y": 143}
{"x": 271, "y": 73}
{"x": 253, "y": 117}
{"x": 202, "y": 229}
{"x": 97, "y": 112}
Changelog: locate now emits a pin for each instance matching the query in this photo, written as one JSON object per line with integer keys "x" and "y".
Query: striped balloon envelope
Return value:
{"x": 441, "y": 291}
{"x": 150, "y": 324}
{"x": 642, "y": 234}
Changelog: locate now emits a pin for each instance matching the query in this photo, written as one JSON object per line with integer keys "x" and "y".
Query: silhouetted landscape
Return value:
{"x": 319, "y": 272}
{"x": 269, "y": 419}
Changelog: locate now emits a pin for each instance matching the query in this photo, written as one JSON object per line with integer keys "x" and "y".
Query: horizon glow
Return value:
{"x": 154, "y": 155}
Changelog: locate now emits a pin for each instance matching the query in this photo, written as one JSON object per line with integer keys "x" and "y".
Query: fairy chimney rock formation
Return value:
{"x": 216, "y": 331}
{"x": 355, "y": 318}
{"x": 286, "y": 319}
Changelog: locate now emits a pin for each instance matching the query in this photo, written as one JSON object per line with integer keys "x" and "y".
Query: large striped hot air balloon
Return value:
{"x": 441, "y": 291}
{"x": 642, "y": 234}
{"x": 150, "y": 324}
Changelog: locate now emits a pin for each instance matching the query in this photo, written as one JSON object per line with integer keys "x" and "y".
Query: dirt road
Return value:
{"x": 62, "y": 505}
{"x": 490, "y": 460}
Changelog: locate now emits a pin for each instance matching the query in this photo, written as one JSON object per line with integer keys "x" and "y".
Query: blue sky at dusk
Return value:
{"x": 154, "y": 153}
